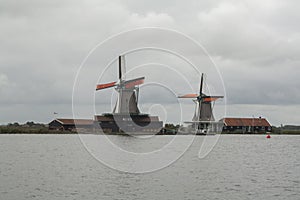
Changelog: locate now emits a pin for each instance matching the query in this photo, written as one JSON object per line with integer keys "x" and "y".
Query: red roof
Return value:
{"x": 246, "y": 122}
{"x": 75, "y": 121}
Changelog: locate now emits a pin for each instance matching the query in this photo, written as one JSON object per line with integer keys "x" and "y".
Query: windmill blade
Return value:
{"x": 211, "y": 98}
{"x": 188, "y": 96}
{"x": 201, "y": 85}
{"x": 120, "y": 67}
{"x": 106, "y": 85}
{"x": 134, "y": 82}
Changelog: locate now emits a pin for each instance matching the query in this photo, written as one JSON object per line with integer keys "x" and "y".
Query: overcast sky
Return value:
{"x": 255, "y": 44}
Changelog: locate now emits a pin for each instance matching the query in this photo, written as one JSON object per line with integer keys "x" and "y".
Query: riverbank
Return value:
{"x": 49, "y": 132}
{"x": 34, "y": 128}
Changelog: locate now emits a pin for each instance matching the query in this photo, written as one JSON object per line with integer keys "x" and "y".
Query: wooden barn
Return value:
{"x": 141, "y": 123}
{"x": 246, "y": 125}
{"x": 70, "y": 124}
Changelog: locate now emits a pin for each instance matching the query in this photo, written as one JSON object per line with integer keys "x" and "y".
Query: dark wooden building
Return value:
{"x": 70, "y": 124}
{"x": 246, "y": 125}
{"x": 141, "y": 123}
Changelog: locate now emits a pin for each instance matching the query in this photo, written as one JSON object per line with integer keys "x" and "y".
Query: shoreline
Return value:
{"x": 122, "y": 134}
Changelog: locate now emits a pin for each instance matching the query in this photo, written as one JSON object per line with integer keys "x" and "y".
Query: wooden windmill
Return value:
{"x": 204, "y": 110}
{"x": 128, "y": 91}
{"x": 126, "y": 116}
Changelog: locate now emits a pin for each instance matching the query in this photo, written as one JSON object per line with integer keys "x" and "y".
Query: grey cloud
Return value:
{"x": 254, "y": 43}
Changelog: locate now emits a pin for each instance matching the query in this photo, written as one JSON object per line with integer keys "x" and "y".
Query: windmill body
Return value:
{"x": 126, "y": 102}
{"x": 203, "y": 121}
{"x": 126, "y": 116}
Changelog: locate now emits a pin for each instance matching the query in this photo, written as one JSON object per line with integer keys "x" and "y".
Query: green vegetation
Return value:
{"x": 286, "y": 130}
{"x": 170, "y": 129}
{"x": 38, "y": 128}
{"x": 171, "y": 126}
{"x": 28, "y": 128}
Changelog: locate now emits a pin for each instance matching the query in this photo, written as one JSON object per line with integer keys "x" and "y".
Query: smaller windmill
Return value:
{"x": 203, "y": 118}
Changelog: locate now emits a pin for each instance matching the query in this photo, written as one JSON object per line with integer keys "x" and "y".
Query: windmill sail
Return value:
{"x": 134, "y": 82}
{"x": 211, "y": 98}
{"x": 122, "y": 68}
{"x": 189, "y": 96}
{"x": 106, "y": 85}
{"x": 201, "y": 85}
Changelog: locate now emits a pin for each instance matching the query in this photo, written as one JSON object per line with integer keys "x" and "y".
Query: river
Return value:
{"x": 238, "y": 167}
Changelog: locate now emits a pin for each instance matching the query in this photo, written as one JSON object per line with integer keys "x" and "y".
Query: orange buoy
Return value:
{"x": 268, "y": 136}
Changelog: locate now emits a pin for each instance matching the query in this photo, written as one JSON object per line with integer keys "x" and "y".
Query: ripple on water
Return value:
{"x": 58, "y": 167}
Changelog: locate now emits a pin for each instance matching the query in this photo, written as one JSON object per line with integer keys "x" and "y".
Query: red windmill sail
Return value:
{"x": 211, "y": 98}
{"x": 106, "y": 85}
{"x": 189, "y": 96}
{"x": 134, "y": 82}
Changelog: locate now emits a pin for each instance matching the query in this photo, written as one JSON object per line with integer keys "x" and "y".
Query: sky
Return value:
{"x": 254, "y": 47}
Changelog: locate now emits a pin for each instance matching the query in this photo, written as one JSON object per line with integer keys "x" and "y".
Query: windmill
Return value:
{"x": 203, "y": 115}
{"x": 128, "y": 91}
{"x": 126, "y": 116}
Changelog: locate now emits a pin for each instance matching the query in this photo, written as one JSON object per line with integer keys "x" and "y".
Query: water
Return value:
{"x": 239, "y": 167}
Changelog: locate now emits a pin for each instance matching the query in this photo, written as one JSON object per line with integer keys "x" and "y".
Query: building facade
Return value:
{"x": 246, "y": 125}
{"x": 140, "y": 124}
{"x": 70, "y": 124}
